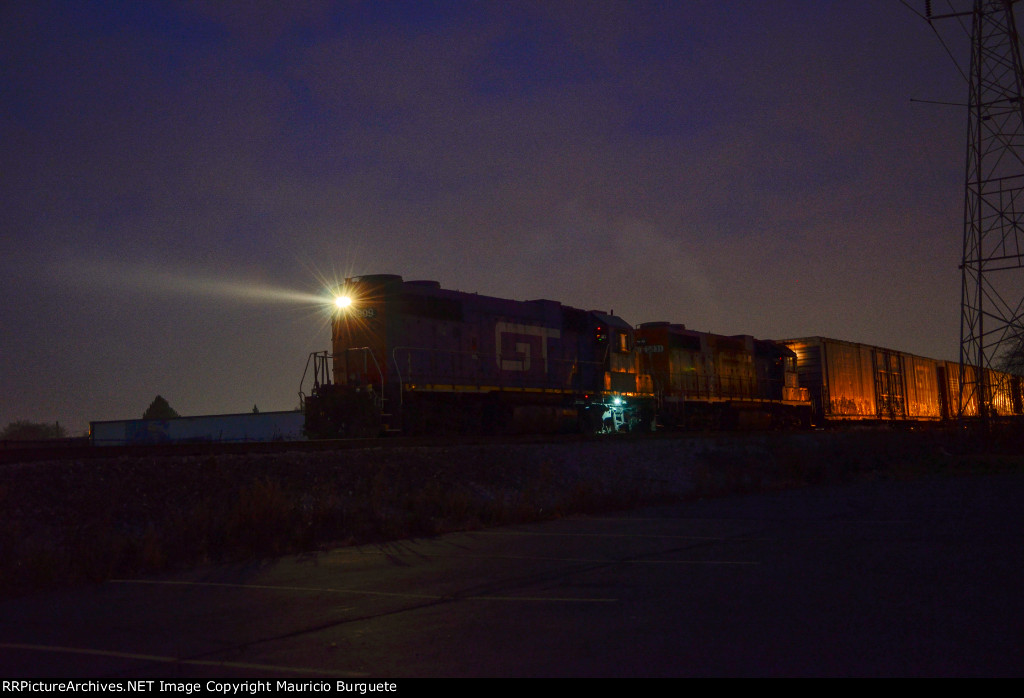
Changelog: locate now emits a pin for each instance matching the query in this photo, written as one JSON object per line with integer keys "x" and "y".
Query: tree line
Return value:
{"x": 25, "y": 430}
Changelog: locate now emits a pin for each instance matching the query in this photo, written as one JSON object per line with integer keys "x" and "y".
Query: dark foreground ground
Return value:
{"x": 881, "y": 577}
{"x": 68, "y": 522}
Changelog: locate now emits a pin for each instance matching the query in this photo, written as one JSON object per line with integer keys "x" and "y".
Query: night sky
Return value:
{"x": 179, "y": 179}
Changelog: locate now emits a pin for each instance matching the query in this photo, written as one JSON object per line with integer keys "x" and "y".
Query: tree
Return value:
{"x": 159, "y": 409}
{"x": 32, "y": 431}
{"x": 1012, "y": 358}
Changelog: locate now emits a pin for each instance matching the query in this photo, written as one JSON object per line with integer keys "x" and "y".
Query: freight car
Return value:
{"x": 848, "y": 381}
{"x": 1006, "y": 392}
{"x": 411, "y": 357}
{"x": 704, "y": 380}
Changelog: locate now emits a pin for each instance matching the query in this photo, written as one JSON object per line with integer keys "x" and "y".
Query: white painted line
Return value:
{"x": 178, "y": 660}
{"x": 540, "y": 558}
{"x": 363, "y": 592}
{"x": 731, "y": 539}
{"x": 672, "y": 519}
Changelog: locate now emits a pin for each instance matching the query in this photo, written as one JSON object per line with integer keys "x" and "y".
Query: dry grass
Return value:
{"x": 65, "y": 523}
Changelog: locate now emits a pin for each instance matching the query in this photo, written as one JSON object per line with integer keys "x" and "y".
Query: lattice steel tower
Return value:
{"x": 992, "y": 284}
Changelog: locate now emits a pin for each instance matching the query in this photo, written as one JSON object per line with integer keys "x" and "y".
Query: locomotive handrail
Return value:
{"x": 572, "y": 365}
{"x": 321, "y": 376}
{"x": 369, "y": 350}
{"x": 319, "y": 366}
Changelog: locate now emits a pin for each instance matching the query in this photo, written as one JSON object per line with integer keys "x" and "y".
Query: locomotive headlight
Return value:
{"x": 342, "y": 302}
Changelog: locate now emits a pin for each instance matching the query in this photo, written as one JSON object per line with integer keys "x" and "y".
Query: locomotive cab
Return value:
{"x": 355, "y": 403}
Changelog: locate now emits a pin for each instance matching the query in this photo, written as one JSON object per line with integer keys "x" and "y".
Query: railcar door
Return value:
{"x": 890, "y": 392}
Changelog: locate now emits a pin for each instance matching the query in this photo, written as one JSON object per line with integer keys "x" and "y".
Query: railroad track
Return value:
{"x": 80, "y": 449}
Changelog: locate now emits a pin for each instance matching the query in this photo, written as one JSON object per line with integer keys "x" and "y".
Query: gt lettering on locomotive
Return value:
{"x": 508, "y": 333}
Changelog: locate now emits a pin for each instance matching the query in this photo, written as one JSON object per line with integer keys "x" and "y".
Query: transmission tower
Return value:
{"x": 992, "y": 285}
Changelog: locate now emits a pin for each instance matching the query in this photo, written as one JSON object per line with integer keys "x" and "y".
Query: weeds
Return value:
{"x": 68, "y": 523}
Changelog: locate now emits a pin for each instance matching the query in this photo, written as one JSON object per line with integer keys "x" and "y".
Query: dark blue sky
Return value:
{"x": 741, "y": 167}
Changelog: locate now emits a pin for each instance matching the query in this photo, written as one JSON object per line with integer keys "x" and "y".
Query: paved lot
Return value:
{"x": 881, "y": 578}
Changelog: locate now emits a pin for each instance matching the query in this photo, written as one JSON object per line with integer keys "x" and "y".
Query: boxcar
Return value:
{"x": 411, "y": 357}
{"x": 848, "y": 381}
{"x": 1006, "y": 390}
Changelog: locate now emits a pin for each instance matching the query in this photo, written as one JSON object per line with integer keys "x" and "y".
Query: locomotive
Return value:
{"x": 705, "y": 380}
{"x": 411, "y": 357}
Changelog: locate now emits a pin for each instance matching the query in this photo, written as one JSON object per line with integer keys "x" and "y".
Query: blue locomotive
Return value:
{"x": 411, "y": 357}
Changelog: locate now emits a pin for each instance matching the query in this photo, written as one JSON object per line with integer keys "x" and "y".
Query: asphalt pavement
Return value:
{"x": 881, "y": 578}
